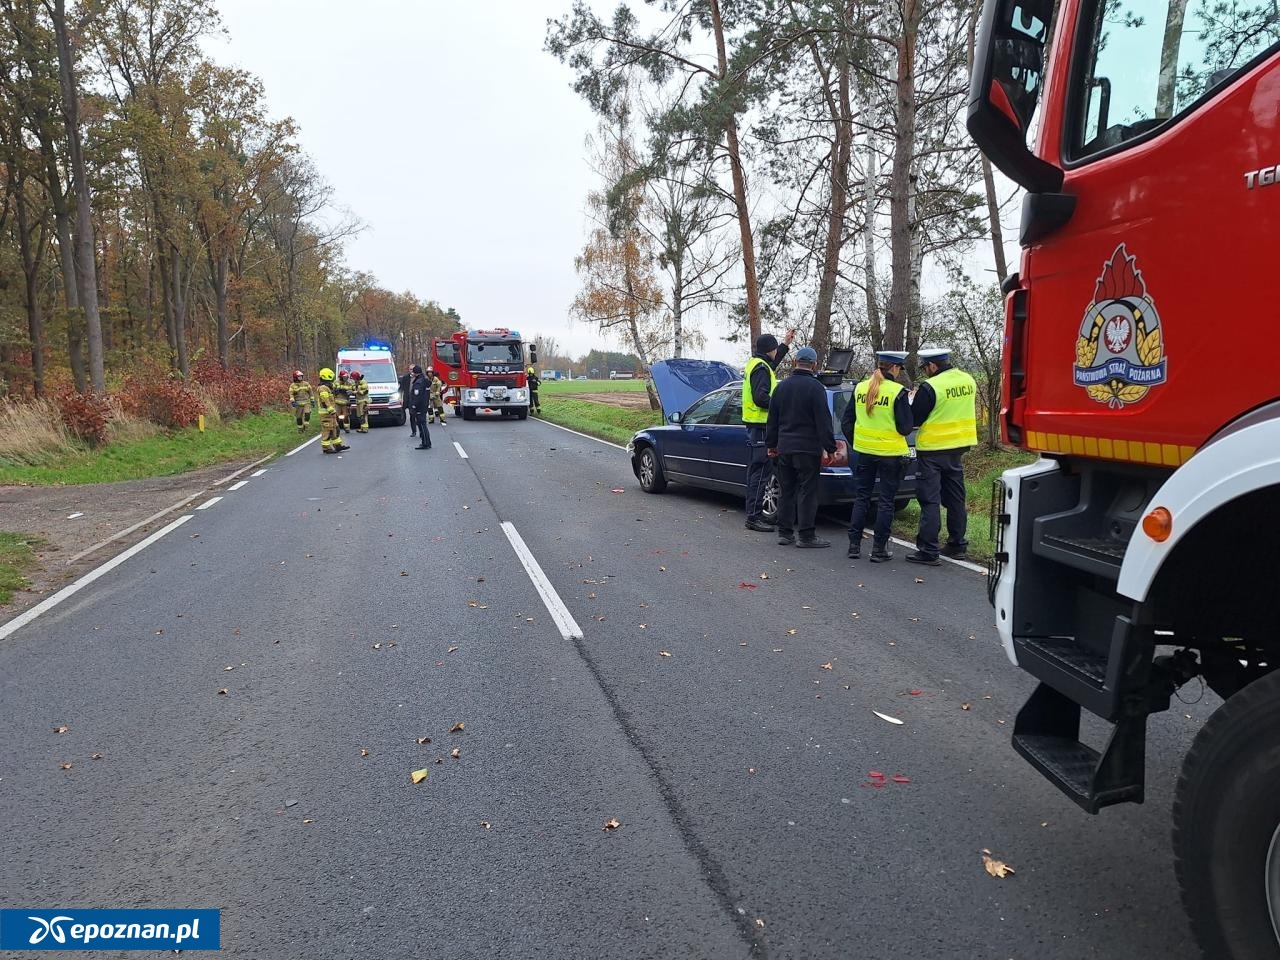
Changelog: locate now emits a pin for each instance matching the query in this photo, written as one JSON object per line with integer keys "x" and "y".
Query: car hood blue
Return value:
{"x": 680, "y": 382}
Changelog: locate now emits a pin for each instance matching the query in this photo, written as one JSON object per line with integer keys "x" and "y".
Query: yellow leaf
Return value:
{"x": 419, "y": 775}
{"x": 997, "y": 868}
{"x": 457, "y": 727}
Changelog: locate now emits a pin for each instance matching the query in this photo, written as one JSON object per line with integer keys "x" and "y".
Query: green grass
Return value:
{"x": 599, "y": 419}
{"x": 16, "y": 556}
{"x": 169, "y": 453}
{"x": 552, "y": 388}
{"x": 981, "y": 467}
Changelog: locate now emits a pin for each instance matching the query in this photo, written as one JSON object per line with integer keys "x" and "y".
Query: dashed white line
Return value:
{"x": 22, "y": 620}
{"x": 303, "y": 445}
{"x": 258, "y": 473}
{"x": 237, "y": 486}
{"x": 564, "y": 621}
{"x": 208, "y": 503}
{"x": 462, "y": 453}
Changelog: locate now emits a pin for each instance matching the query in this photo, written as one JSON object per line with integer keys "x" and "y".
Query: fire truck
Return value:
{"x": 484, "y": 372}
{"x": 1141, "y": 551}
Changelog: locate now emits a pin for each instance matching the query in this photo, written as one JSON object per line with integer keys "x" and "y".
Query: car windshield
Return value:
{"x": 374, "y": 371}
{"x": 479, "y": 352}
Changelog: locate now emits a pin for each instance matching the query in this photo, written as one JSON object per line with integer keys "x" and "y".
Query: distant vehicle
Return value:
{"x": 484, "y": 372}
{"x": 704, "y": 442}
{"x": 378, "y": 368}
{"x": 621, "y": 375}
{"x": 553, "y": 375}
{"x": 579, "y": 378}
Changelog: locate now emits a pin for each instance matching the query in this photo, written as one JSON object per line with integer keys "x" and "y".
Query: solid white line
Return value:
{"x": 258, "y": 473}
{"x": 462, "y": 453}
{"x": 568, "y": 627}
{"x": 237, "y": 486}
{"x": 208, "y": 503}
{"x": 959, "y": 563}
{"x": 616, "y": 446}
{"x": 231, "y": 476}
{"x": 128, "y": 530}
{"x": 22, "y": 620}
{"x": 303, "y": 445}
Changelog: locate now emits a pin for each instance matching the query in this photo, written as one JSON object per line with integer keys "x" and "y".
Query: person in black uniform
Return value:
{"x": 406, "y": 379}
{"x": 758, "y": 383}
{"x": 797, "y": 435}
{"x": 419, "y": 401}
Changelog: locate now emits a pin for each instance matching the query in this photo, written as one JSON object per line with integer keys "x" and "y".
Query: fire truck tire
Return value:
{"x": 522, "y": 415}
{"x": 468, "y": 413}
{"x": 1226, "y": 827}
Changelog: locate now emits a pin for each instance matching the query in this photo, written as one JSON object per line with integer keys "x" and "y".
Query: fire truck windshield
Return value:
{"x": 480, "y": 353}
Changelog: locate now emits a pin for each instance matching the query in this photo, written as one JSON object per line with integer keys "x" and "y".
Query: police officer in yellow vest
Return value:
{"x": 877, "y": 421}
{"x": 758, "y": 382}
{"x": 945, "y": 416}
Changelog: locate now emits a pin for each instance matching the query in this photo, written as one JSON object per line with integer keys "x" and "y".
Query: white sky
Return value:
{"x": 444, "y": 126}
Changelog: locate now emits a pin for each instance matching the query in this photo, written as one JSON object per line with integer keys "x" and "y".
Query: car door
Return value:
{"x": 685, "y": 451}
{"x": 727, "y": 447}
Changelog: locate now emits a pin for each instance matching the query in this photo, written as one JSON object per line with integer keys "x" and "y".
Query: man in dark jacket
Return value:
{"x": 406, "y": 380}
{"x": 797, "y": 434}
{"x": 419, "y": 401}
{"x": 758, "y": 383}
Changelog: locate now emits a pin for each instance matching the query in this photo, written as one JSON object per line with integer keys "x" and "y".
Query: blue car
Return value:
{"x": 704, "y": 442}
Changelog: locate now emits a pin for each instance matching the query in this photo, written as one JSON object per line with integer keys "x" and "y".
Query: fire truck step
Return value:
{"x": 1096, "y": 681}
{"x": 1047, "y": 734}
{"x": 1097, "y": 555}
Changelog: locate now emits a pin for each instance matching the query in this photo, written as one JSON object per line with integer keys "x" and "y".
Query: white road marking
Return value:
{"x": 128, "y": 530}
{"x": 258, "y": 473}
{"x": 564, "y": 621}
{"x": 237, "y": 486}
{"x": 303, "y": 445}
{"x": 208, "y": 503}
{"x": 462, "y": 453}
{"x": 959, "y": 563}
{"x": 586, "y": 436}
{"x": 231, "y": 476}
{"x": 75, "y": 515}
{"x": 43, "y": 606}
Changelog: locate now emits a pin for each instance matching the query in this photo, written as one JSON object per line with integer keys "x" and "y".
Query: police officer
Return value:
{"x": 300, "y": 398}
{"x": 534, "y": 384}
{"x": 437, "y": 397}
{"x": 797, "y": 435}
{"x": 759, "y": 379}
{"x": 405, "y": 380}
{"x": 944, "y": 414}
{"x": 877, "y": 421}
{"x": 330, "y": 438}
{"x": 342, "y": 390}
{"x": 360, "y": 390}
{"x": 419, "y": 399}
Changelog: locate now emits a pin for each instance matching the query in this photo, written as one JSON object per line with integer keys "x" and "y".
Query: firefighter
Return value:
{"x": 534, "y": 384}
{"x": 361, "y": 392}
{"x": 301, "y": 397}
{"x": 343, "y": 388}
{"x": 437, "y": 397}
{"x": 945, "y": 416}
{"x": 326, "y": 403}
{"x": 876, "y": 423}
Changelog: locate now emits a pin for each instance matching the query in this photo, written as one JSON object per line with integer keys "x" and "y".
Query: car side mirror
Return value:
{"x": 676, "y": 417}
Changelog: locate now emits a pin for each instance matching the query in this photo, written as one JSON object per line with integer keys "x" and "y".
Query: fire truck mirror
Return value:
{"x": 533, "y": 354}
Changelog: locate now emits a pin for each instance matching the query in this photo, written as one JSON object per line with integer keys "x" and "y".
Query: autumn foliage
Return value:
{"x": 85, "y": 416}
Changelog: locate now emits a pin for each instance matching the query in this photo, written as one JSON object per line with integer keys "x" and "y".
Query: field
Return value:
{"x": 551, "y": 388}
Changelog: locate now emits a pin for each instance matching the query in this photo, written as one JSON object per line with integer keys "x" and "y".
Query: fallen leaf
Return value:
{"x": 473, "y": 603}
{"x": 791, "y": 632}
{"x": 457, "y": 727}
{"x": 997, "y": 868}
{"x": 419, "y": 775}
{"x": 919, "y": 579}
{"x": 827, "y": 666}
{"x": 764, "y": 576}
{"x": 61, "y": 729}
{"x": 227, "y": 669}
{"x": 966, "y": 706}
{"x": 664, "y": 653}
{"x": 611, "y": 825}
{"x": 96, "y": 756}
{"x": 644, "y": 626}
{"x": 364, "y": 752}
{"x": 377, "y": 646}
{"x": 618, "y": 490}
{"x": 777, "y": 649}
{"x": 486, "y": 824}
{"x": 308, "y": 821}
{"x": 760, "y": 922}
{"x": 887, "y": 718}
{"x": 455, "y": 753}
{"x": 66, "y": 766}
{"x": 404, "y": 573}
{"x": 222, "y": 692}
{"x": 748, "y": 586}
{"x": 424, "y": 740}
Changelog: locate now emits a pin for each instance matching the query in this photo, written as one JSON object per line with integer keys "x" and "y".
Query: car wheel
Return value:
{"x": 1226, "y": 827}
{"x": 771, "y": 499}
{"x": 651, "y": 478}
{"x": 404, "y": 418}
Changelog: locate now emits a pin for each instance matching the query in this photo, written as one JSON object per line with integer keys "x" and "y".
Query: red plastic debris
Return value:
{"x": 876, "y": 775}
{"x": 618, "y": 490}
{"x": 747, "y": 586}
{"x": 915, "y": 693}
{"x": 899, "y": 778}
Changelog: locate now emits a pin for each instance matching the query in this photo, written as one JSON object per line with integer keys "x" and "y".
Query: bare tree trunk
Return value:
{"x": 179, "y": 312}
{"x": 870, "y": 281}
{"x": 86, "y": 268}
{"x": 904, "y": 148}
{"x": 32, "y": 258}
{"x": 677, "y": 310}
{"x": 1167, "y": 88}
{"x": 71, "y": 296}
{"x": 914, "y": 311}
{"x": 750, "y": 281}
{"x": 842, "y": 122}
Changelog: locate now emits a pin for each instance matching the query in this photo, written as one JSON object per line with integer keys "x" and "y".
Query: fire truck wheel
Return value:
{"x": 468, "y": 413}
{"x": 1226, "y": 827}
{"x": 522, "y": 415}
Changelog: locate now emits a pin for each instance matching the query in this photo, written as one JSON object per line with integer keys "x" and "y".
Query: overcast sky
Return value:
{"x": 444, "y": 126}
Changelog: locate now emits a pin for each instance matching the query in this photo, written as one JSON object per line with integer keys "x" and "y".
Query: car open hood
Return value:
{"x": 680, "y": 382}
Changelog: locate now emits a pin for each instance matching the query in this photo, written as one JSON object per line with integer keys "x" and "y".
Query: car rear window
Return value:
{"x": 839, "y": 403}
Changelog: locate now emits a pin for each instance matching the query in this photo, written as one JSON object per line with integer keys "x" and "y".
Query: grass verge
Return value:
{"x": 16, "y": 555}
{"x": 602, "y": 420}
{"x": 981, "y": 467}
{"x": 553, "y": 388}
{"x": 164, "y": 454}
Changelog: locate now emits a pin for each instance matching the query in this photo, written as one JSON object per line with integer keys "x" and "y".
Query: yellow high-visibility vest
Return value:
{"x": 876, "y": 433}
{"x": 953, "y": 421}
{"x": 751, "y": 414}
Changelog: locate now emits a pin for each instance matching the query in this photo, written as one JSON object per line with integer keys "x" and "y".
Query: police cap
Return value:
{"x": 934, "y": 355}
{"x": 898, "y": 357}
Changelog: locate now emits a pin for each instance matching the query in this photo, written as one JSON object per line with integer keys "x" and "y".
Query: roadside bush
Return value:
{"x": 85, "y": 415}
{"x": 236, "y": 392}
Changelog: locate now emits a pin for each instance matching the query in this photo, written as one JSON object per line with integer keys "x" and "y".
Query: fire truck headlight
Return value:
{"x": 476, "y": 395}
{"x": 518, "y": 395}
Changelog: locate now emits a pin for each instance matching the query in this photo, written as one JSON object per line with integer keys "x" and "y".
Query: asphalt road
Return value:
{"x": 718, "y": 705}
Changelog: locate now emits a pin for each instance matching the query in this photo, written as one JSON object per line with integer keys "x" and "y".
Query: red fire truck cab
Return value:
{"x": 1142, "y": 551}
{"x": 485, "y": 372}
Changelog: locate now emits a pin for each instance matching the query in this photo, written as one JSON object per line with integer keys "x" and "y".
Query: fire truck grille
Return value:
{"x": 485, "y": 382}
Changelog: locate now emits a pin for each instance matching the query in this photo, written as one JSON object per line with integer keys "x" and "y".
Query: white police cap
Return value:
{"x": 933, "y": 353}
{"x": 892, "y": 356}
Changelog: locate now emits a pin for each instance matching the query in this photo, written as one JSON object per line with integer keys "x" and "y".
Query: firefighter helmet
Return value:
{"x": 326, "y": 374}
{"x": 343, "y": 372}
{"x": 297, "y": 374}
{"x": 357, "y": 375}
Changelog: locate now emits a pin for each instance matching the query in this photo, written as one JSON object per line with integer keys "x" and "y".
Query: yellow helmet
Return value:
{"x": 326, "y": 373}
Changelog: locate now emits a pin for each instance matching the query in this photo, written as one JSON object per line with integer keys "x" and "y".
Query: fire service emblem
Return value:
{"x": 1120, "y": 352}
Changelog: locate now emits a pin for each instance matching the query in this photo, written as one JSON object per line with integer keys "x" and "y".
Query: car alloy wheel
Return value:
{"x": 772, "y": 497}
{"x": 651, "y": 478}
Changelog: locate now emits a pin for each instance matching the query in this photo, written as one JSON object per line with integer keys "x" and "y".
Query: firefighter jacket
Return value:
{"x": 325, "y": 399}
{"x": 300, "y": 393}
